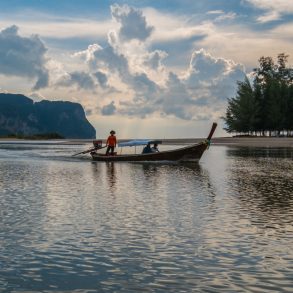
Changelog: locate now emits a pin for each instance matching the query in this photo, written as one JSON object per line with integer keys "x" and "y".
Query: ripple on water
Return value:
{"x": 224, "y": 225}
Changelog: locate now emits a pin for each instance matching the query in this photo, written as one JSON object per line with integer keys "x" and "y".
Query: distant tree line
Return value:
{"x": 265, "y": 105}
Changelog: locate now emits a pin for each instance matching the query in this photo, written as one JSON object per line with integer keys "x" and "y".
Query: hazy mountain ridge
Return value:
{"x": 19, "y": 114}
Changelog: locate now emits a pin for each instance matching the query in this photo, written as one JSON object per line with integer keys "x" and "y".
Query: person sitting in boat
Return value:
{"x": 155, "y": 148}
{"x": 111, "y": 143}
{"x": 147, "y": 149}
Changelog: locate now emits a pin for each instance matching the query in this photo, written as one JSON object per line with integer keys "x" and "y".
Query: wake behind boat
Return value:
{"x": 189, "y": 153}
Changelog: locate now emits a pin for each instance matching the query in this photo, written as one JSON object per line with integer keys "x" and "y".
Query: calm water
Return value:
{"x": 70, "y": 225}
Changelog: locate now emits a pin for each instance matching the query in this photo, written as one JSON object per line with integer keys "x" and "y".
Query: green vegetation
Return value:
{"x": 264, "y": 107}
{"x": 38, "y": 136}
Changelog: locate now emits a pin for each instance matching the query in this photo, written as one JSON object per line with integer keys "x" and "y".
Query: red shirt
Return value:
{"x": 111, "y": 141}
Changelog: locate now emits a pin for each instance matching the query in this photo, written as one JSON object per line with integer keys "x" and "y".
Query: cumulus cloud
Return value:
{"x": 154, "y": 59}
{"x": 101, "y": 78}
{"x": 213, "y": 78}
{"x": 149, "y": 61}
{"x": 82, "y": 80}
{"x": 204, "y": 87}
{"x": 23, "y": 56}
{"x": 106, "y": 59}
{"x": 133, "y": 23}
{"x": 204, "y": 66}
{"x": 110, "y": 59}
{"x": 176, "y": 100}
{"x": 109, "y": 109}
{"x": 145, "y": 85}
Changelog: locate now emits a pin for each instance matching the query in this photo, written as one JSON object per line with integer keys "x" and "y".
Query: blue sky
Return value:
{"x": 145, "y": 68}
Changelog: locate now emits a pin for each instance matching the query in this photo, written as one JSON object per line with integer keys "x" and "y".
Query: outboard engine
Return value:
{"x": 97, "y": 144}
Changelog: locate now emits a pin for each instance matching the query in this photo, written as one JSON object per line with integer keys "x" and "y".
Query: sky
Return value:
{"x": 147, "y": 69}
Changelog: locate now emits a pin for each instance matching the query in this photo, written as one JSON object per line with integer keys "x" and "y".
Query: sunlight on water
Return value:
{"x": 71, "y": 225}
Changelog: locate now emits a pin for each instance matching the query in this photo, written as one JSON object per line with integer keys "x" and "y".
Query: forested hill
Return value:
{"x": 20, "y": 115}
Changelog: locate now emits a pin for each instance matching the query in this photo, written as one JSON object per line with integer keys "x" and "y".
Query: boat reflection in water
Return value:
{"x": 73, "y": 225}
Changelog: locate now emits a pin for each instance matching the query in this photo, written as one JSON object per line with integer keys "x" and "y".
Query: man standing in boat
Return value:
{"x": 111, "y": 143}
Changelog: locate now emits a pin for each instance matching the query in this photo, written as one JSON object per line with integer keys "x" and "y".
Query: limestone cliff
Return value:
{"x": 20, "y": 115}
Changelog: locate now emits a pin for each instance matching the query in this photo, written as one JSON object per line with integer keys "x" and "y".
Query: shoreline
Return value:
{"x": 267, "y": 142}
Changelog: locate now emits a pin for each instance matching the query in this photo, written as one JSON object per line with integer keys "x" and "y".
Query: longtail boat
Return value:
{"x": 191, "y": 152}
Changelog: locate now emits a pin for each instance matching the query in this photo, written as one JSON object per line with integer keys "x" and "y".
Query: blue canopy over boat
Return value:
{"x": 138, "y": 142}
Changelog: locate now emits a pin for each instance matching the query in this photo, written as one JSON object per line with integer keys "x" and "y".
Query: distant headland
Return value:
{"x": 20, "y": 116}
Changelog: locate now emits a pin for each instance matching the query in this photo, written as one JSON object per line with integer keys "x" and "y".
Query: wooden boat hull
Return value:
{"x": 189, "y": 153}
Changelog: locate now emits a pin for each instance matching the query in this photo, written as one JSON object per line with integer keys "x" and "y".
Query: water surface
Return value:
{"x": 71, "y": 225}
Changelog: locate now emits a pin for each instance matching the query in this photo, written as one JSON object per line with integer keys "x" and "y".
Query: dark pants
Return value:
{"x": 110, "y": 148}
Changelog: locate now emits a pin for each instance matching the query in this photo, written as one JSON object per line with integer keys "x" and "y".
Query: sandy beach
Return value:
{"x": 240, "y": 141}
{"x": 256, "y": 141}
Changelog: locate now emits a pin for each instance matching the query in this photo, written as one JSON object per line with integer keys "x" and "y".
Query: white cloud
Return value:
{"x": 82, "y": 80}
{"x": 274, "y": 9}
{"x": 101, "y": 78}
{"x": 222, "y": 15}
{"x": 87, "y": 55}
{"x": 212, "y": 80}
{"x": 270, "y": 16}
{"x": 23, "y": 56}
{"x": 285, "y": 6}
{"x": 131, "y": 71}
{"x": 205, "y": 67}
{"x": 142, "y": 63}
{"x": 109, "y": 109}
{"x": 284, "y": 31}
{"x": 226, "y": 16}
{"x": 240, "y": 44}
{"x": 50, "y": 26}
{"x": 215, "y": 12}
{"x": 128, "y": 65}
{"x": 204, "y": 88}
{"x": 133, "y": 23}
{"x": 154, "y": 59}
